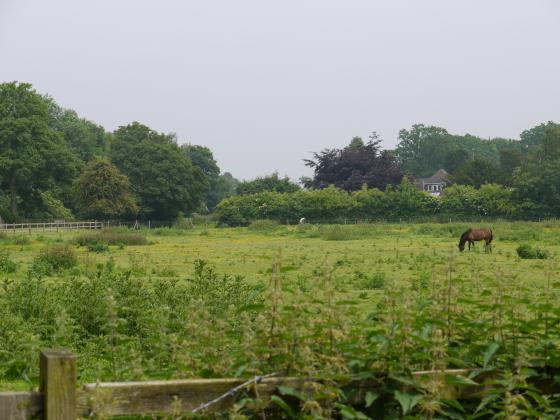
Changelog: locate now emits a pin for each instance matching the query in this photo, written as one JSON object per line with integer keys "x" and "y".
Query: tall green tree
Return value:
{"x": 357, "y": 164}
{"x": 477, "y": 173}
{"x": 85, "y": 138}
{"x": 267, "y": 183}
{"x": 163, "y": 178}
{"x": 218, "y": 186}
{"x": 422, "y": 150}
{"x": 455, "y": 158}
{"x": 537, "y": 183}
{"x": 225, "y": 186}
{"x": 33, "y": 156}
{"x": 103, "y": 192}
{"x": 533, "y": 137}
{"x": 203, "y": 158}
{"x": 510, "y": 159}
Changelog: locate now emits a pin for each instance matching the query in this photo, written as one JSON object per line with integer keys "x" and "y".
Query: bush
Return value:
{"x": 526, "y": 251}
{"x": 263, "y": 225}
{"x": 167, "y": 231}
{"x": 55, "y": 258}
{"x": 111, "y": 237}
{"x": 181, "y": 222}
{"x": 375, "y": 281}
{"x": 201, "y": 219}
{"x": 338, "y": 233}
{"x": 97, "y": 247}
{"x": 6, "y": 264}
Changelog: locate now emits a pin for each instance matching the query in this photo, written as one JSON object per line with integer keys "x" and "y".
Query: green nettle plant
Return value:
{"x": 135, "y": 323}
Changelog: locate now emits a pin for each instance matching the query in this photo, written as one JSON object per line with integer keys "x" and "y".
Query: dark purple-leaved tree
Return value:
{"x": 357, "y": 164}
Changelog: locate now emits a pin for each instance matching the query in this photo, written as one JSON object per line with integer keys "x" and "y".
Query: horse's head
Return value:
{"x": 463, "y": 240}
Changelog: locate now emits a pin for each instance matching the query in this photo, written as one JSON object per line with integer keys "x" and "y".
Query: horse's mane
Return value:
{"x": 464, "y": 235}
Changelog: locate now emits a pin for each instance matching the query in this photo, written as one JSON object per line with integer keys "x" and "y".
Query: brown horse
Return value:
{"x": 472, "y": 235}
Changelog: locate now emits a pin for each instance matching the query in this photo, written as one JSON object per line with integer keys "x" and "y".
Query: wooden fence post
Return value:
{"x": 58, "y": 383}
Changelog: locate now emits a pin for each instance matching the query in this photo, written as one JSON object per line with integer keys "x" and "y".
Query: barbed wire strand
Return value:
{"x": 233, "y": 391}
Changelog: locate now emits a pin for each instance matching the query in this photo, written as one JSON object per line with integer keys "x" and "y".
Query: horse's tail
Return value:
{"x": 491, "y": 236}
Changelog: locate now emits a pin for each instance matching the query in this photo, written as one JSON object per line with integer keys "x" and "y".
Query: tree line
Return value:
{"x": 55, "y": 164}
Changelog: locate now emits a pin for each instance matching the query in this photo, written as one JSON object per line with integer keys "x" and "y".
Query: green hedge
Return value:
{"x": 332, "y": 204}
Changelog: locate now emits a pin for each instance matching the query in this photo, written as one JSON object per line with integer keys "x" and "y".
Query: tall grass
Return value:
{"x": 450, "y": 311}
{"x": 111, "y": 237}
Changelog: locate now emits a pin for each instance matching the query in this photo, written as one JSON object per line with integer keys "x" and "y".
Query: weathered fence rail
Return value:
{"x": 53, "y": 226}
{"x": 60, "y": 398}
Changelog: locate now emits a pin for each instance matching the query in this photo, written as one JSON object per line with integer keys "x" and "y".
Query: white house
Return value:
{"x": 434, "y": 184}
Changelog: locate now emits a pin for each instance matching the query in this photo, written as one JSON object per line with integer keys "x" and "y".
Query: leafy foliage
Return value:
{"x": 111, "y": 237}
{"x": 356, "y": 165}
{"x": 477, "y": 173}
{"x": 56, "y": 258}
{"x": 526, "y": 251}
{"x": 267, "y": 183}
{"x": 127, "y": 325}
{"x": 33, "y": 156}
{"x": 54, "y": 207}
{"x": 537, "y": 183}
{"x": 162, "y": 177}
{"x": 103, "y": 192}
{"x": 422, "y": 150}
{"x": 218, "y": 186}
{"x": 332, "y": 204}
{"x": 7, "y": 265}
{"x": 84, "y": 138}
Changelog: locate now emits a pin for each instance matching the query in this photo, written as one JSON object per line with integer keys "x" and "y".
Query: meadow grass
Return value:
{"x": 210, "y": 301}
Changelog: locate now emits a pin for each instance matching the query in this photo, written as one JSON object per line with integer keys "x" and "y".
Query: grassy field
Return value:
{"x": 394, "y": 250}
{"x": 305, "y": 299}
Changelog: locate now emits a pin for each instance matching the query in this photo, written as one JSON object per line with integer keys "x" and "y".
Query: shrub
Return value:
{"x": 201, "y": 219}
{"x": 97, "y": 247}
{"x": 167, "y": 231}
{"x": 263, "y": 224}
{"x": 542, "y": 254}
{"x": 375, "y": 281}
{"x": 526, "y": 251}
{"x": 111, "y": 237}
{"x": 337, "y": 233}
{"x": 6, "y": 264}
{"x": 56, "y": 257}
{"x": 182, "y": 222}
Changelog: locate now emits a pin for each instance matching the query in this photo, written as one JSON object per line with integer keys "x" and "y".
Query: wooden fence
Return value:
{"x": 52, "y": 226}
{"x": 59, "y": 397}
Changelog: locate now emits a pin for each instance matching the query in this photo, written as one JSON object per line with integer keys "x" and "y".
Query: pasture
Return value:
{"x": 306, "y": 299}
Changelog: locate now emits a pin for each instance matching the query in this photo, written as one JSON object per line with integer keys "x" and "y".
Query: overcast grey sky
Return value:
{"x": 263, "y": 83}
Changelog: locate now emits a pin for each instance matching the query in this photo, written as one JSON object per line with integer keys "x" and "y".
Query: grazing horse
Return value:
{"x": 472, "y": 235}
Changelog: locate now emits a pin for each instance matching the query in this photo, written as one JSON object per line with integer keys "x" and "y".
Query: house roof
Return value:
{"x": 440, "y": 176}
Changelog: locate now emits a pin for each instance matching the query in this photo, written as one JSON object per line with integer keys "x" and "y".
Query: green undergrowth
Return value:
{"x": 111, "y": 237}
{"x": 377, "y": 301}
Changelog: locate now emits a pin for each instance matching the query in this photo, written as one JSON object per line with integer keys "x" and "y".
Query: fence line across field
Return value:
{"x": 59, "y": 396}
{"x": 95, "y": 224}
{"x": 53, "y": 226}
